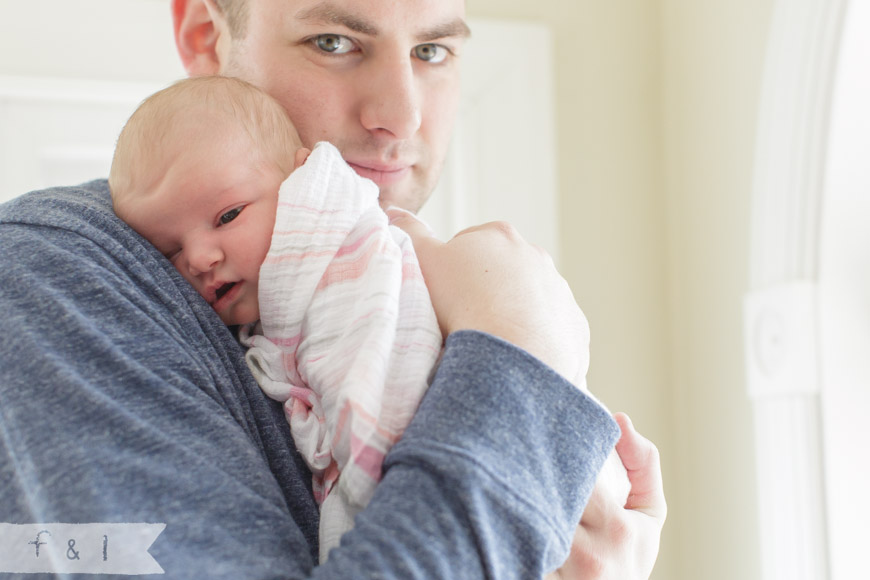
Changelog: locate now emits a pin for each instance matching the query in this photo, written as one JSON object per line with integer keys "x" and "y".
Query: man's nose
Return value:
{"x": 392, "y": 103}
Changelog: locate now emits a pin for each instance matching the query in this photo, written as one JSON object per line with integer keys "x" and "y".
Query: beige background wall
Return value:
{"x": 713, "y": 55}
{"x": 656, "y": 104}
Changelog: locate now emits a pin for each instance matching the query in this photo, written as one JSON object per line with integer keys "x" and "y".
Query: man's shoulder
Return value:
{"x": 64, "y": 207}
{"x": 68, "y": 242}
{"x": 72, "y": 226}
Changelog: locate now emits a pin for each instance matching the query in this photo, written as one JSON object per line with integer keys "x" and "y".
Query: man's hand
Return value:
{"x": 616, "y": 542}
{"x": 489, "y": 278}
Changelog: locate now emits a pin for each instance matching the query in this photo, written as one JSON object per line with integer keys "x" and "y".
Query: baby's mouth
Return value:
{"x": 220, "y": 292}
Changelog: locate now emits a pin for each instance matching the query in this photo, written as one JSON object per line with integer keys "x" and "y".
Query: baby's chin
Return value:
{"x": 239, "y": 315}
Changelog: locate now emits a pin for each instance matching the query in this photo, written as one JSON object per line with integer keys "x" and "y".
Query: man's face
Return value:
{"x": 377, "y": 78}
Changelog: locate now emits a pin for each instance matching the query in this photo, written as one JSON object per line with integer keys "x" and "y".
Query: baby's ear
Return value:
{"x": 301, "y": 155}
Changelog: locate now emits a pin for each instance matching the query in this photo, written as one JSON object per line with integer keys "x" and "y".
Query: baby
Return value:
{"x": 212, "y": 172}
{"x": 290, "y": 245}
{"x": 195, "y": 158}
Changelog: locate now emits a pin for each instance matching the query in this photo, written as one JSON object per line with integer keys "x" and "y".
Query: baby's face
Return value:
{"x": 211, "y": 214}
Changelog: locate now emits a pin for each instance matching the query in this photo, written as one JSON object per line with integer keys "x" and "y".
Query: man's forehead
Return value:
{"x": 360, "y": 17}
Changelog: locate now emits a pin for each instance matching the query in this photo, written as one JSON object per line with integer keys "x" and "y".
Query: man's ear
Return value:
{"x": 198, "y": 25}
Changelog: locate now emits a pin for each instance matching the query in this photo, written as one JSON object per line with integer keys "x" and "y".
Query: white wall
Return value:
{"x": 656, "y": 105}
{"x": 43, "y": 38}
{"x": 105, "y": 71}
{"x": 713, "y": 53}
{"x": 612, "y": 215}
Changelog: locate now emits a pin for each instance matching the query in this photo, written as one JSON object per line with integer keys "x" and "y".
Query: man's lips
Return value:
{"x": 381, "y": 174}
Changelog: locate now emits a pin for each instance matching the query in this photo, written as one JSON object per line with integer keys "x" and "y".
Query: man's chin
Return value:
{"x": 411, "y": 200}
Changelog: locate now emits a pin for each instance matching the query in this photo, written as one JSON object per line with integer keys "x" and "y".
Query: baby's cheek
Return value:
{"x": 245, "y": 311}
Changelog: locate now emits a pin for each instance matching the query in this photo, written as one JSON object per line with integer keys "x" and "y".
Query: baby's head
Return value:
{"x": 196, "y": 172}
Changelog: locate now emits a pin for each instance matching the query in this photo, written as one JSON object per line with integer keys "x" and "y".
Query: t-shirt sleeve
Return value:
{"x": 492, "y": 473}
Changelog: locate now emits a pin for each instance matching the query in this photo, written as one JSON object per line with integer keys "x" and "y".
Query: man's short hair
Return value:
{"x": 236, "y": 13}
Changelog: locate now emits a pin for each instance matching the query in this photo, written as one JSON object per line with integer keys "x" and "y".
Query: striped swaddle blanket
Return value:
{"x": 347, "y": 335}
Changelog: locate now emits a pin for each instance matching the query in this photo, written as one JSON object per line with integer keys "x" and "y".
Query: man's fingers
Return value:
{"x": 419, "y": 232}
{"x": 595, "y": 515}
{"x": 622, "y": 542}
{"x": 641, "y": 460}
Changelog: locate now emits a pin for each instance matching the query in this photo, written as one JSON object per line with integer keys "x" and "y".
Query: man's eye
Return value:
{"x": 432, "y": 53}
{"x": 230, "y": 216}
{"x": 333, "y": 43}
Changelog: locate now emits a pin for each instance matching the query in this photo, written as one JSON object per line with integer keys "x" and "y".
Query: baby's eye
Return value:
{"x": 230, "y": 216}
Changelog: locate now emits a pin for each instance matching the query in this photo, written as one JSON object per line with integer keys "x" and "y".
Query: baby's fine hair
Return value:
{"x": 150, "y": 130}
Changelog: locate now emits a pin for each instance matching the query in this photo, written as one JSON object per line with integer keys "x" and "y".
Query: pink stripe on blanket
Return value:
{"x": 353, "y": 247}
{"x": 302, "y": 232}
{"x": 304, "y": 395}
{"x": 406, "y": 346}
{"x": 277, "y": 259}
{"x": 347, "y": 271}
{"x": 342, "y": 251}
{"x": 323, "y": 484}
{"x": 317, "y": 210}
{"x": 411, "y": 272}
{"x": 367, "y": 458}
{"x": 360, "y": 414}
{"x": 289, "y": 342}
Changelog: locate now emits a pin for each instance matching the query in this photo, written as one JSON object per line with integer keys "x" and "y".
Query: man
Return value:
{"x": 124, "y": 399}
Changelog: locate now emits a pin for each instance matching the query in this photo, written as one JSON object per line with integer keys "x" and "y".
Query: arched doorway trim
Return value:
{"x": 781, "y": 308}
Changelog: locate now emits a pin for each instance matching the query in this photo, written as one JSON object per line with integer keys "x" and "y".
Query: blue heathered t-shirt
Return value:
{"x": 124, "y": 398}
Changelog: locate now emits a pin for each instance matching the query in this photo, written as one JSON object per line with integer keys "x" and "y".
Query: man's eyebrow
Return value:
{"x": 329, "y": 13}
{"x": 453, "y": 29}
